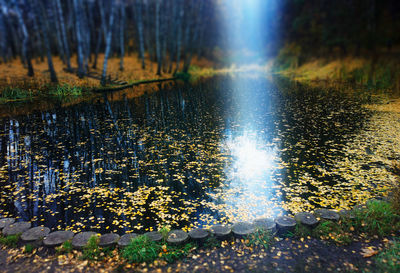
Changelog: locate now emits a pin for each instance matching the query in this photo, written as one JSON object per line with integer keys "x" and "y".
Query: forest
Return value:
{"x": 167, "y": 32}
{"x": 172, "y": 32}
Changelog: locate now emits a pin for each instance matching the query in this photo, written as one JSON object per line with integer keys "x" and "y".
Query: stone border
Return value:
{"x": 278, "y": 225}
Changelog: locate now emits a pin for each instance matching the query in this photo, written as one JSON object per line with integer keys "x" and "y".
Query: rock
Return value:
{"x": 199, "y": 234}
{"x": 221, "y": 232}
{"x": 57, "y": 238}
{"x": 177, "y": 237}
{"x": 154, "y": 236}
{"x": 35, "y": 234}
{"x": 285, "y": 223}
{"x": 327, "y": 214}
{"x": 265, "y": 223}
{"x": 6, "y": 221}
{"x": 108, "y": 239}
{"x": 126, "y": 239}
{"x": 16, "y": 228}
{"x": 81, "y": 239}
{"x": 242, "y": 229}
{"x": 306, "y": 219}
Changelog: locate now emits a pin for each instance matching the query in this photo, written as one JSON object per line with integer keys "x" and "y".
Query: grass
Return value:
{"x": 378, "y": 218}
{"x": 388, "y": 261}
{"x": 11, "y": 240}
{"x": 66, "y": 247}
{"x": 173, "y": 253}
{"x": 164, "y": 231}
{"x": 92, "y": 251}
{"x": 66, "y": 90}
{"x": 372, "y": 74}
{"x": 141, "y": 249}
{"x": 15, "y": 94}
{"x": 333, "y": 231}
{"x": 261, "y": 237}
{"x": 28, "y": 248}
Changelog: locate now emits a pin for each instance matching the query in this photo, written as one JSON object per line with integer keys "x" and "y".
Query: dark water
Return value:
{"x": 222, "y": 150}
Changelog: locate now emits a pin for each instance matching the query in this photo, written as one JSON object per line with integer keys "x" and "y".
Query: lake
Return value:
{"x": 222, "y": 150}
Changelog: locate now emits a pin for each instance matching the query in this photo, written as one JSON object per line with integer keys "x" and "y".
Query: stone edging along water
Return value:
{"x": 42, "y": 236}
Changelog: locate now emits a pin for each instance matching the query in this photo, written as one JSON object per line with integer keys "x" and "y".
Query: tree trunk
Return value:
{"x": 108, "y": 44}
{"x": 139, "y": 23}
{"x": 157, "y": 33}
{"x": 63, "y": 34}
{"x": 25, "y": 42}
{"x": 43, "y": 24}
{"x": 81, "y": 71}
{"x": 53, "y": 11}
{"x": 121, "y": 35}
{"x": 3, "y": 38}
{"x": 179, "y": 35}
{"x": 96, "y": 53}
{"x": 194, "y": 41}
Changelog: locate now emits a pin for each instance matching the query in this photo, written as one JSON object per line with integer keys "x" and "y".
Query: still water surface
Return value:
{"x": 222, "y": 150}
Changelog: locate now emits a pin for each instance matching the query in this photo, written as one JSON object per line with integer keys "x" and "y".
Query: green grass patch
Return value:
{"x": 141, "y": 249}
{"x": 388, "y": 261}
{"x": 28, "y": 248}
{"x": 10, "y": 240}
{"x": 15, "y": 94}
{"x": 66, "y": 247}
{"x": 261, "y": 237}
{"x": 378, "y": 218}
{"x": 92, "y": 251}
{"x": 164, "y": 232}
{"x": 332, "y": 231}
{"x": 65, "y": 90}
{"x": 173, "y": 253}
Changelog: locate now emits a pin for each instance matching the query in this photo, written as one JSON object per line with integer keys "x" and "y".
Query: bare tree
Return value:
{"x": 121, "y": 34}
{"x": 43, "y": 25}
{"x": 79, "y": 41}
{"x": 157, "y": 36}
{"x": 179, "y": 34}
{"x": 108, "y": 42}
{"x": 138, "y": 9}
{"x": 25, "y": 42}
{"x": 63, "y": 34}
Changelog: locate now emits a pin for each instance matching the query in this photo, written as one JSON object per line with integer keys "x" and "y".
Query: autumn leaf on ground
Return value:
{"x": 368, "y": 252}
